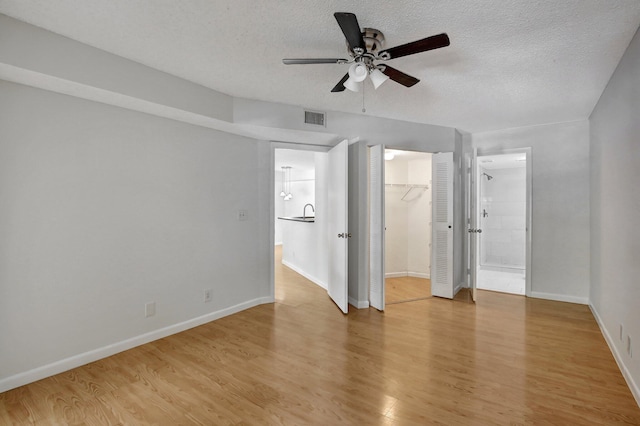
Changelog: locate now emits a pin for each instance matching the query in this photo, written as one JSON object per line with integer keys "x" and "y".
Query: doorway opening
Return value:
{"x": 503, "y": 219}
{"x": 407, "y": 219}
{"x": 305, "y": 226}
{"x": 298, "y": 253}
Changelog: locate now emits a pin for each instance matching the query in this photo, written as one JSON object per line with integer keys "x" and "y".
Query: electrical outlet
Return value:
{"x": 149, "y": 309}
{"x": 243, "y": 215}
{"x": 629, "y": 347}
{"x": 207, "y": 295}
{"x": 621, "y": 332}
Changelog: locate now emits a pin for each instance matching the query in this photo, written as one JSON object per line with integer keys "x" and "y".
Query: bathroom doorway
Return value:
{"x": 407, "y": 218}
{"x": 503, "y": 219}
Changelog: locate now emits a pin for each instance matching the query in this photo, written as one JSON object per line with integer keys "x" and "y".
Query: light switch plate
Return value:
{"x": 149, "y": 309}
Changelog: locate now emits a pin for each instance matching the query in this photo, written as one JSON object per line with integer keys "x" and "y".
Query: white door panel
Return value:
{"x": 337, "y": 224}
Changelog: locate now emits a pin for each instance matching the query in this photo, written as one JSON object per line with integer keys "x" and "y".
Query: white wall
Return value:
{"x": 419, "y": 218}
{"x": 615, "y": 208}
{"x": 395, "y": 217}
{"x": 303, "y": 189}
{"x": 105, "y": 209}
{"x": 560, "y": 216}
{"x": 278, "y": 205}
{"x": 302, "y": 174}
{"x": 45, "y": 54}
{"x": 374, "y": 130}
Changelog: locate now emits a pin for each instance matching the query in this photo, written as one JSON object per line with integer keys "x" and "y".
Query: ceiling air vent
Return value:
{"x": 315, "y": 118}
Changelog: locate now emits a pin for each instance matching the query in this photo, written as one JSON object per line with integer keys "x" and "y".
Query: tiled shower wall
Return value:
{"x": 503, "y": 198}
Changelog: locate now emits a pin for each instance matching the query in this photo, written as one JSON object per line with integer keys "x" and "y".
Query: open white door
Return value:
{"x": 376, "y": 227}
{"x": 337, "y": 226}
{"x": 474, "y": 230}
{"x": 442, "y": 235}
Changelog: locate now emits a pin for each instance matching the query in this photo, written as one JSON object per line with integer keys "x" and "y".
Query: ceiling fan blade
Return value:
{"x": 351, "y": 29}
{"x": 399, "y": 77}
{"x": 340, "y": 86}
{"x": 305, "y": 61}
{"x": 429, "y": 43}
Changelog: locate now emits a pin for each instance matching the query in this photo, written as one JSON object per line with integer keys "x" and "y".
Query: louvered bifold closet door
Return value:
{"x": 442, "y": 236}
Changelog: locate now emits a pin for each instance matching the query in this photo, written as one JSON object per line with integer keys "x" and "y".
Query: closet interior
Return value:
{"x": 407, "y": 226}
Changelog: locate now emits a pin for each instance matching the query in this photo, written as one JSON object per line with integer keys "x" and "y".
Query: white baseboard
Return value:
{"x": 407, "y": 274}
{"x": 66, "y": 364}
{"x": 359, "y": 304}
{"x": 560, "y": 297}
{"x": 419, "y": 275}
{"x": 457, "y": 288}
{"x": 395, "y": 274}
{"x": 304, "y": 274}
{"x": 633, "y": 386}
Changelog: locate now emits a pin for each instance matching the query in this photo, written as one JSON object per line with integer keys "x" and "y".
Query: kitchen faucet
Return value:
{"x": 304, "y": 211}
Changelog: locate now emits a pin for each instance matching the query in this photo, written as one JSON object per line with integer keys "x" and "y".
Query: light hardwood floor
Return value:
{"x": 406, "y": 289}
{"x": 505, "y": 360}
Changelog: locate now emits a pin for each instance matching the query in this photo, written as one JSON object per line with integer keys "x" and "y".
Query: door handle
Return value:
{"x": 341, "y": 235}
{"x": 344, "y": 235}
{"x": 477, "y": 231}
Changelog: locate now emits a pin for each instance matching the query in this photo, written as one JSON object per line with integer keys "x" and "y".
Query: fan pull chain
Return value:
{"x": 363, "y": 108}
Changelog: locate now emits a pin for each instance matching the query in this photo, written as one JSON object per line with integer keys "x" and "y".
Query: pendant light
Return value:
{"x": 282, "y": 193}
{"x": 287, "y": 183}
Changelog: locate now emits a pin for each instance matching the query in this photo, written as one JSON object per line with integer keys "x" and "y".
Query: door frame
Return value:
{"x": 272, "y": 194}
{"x": 395, "y": 148}
{"x": 529, "y": 203}
{"x": 338, "y": 225}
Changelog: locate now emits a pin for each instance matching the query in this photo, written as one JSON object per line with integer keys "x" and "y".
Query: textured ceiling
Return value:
{"x": 511, "y": 63}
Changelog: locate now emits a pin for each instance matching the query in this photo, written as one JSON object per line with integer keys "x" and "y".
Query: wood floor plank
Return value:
{"x": 404, "y": 289}
{"x": 505, "y": 360}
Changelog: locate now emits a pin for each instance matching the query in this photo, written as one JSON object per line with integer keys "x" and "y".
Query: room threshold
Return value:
{"x": 415, "y": 299}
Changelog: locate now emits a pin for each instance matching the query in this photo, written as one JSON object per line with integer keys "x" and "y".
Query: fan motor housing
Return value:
{"x": 373, "y": 40}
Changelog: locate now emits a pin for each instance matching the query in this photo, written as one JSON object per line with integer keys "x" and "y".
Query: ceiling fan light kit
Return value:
{"x": 377, "y": 77}
{"x": 358, "y": 72}
{"x": 367, "y": 46}
{"x": 352, "y": 85}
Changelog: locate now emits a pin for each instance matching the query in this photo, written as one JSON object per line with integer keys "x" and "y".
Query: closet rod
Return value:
{"x": 406, "y": 185}
{"x": 411, "y": 189}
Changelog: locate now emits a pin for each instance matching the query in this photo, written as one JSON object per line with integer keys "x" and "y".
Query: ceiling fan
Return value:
{"x": 365, "y": 47}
